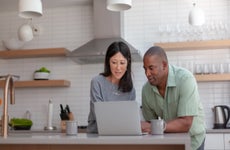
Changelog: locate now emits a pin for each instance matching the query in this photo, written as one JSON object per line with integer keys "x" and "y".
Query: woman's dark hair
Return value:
{"x": 126, "y": 83}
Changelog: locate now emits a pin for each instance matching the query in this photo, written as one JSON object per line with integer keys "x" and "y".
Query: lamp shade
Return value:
{"x": 196, "y": 16}
{"x": 30, "y": 8}
{"x": 119, "y": 5}
{"x": 25, "y": 33}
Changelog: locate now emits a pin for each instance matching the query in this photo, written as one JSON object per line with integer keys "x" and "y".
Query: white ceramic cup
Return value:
{"x": 157, "y": 126}
{"x": 71, "y": 127}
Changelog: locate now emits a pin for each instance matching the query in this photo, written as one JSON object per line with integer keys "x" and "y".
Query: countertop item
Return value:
{"x": 20, "y": 123}
{"x": 63, "y": 113}
{"x": 221, "y": 116}
{"x": 41, "y": 76}
{"x": 13, "y": 44}
{"x": 93, "y": 139}
{"x": 70, "y": 114}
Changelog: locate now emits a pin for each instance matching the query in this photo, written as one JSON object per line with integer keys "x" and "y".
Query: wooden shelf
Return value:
{"x": 40, "y": 83}
{"x": 212, "y": 77}
{"x": 195, "y": 45}
{"x": 32, "y": 53}
{"x": 200, "y": 45}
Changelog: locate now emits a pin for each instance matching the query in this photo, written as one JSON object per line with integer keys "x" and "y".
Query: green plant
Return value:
{"x": 20, "y": 122}
{"x": 43, "y": 69}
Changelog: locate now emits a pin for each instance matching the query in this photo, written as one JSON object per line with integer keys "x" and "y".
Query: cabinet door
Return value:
{"x": 227, "y": 141}
{"x": 214, "y": 141}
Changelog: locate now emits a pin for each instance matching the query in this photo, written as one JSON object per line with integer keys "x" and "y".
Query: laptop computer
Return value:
{"x": 118, "y": 118}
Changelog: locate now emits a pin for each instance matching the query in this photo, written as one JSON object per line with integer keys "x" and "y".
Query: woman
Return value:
{"x": 115, "y": 83}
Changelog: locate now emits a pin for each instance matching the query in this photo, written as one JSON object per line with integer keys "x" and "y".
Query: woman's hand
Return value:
{"x": 145, "y": 126}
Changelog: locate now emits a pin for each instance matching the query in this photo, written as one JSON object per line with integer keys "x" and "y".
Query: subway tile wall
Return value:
{"x": 149, "y": 22}
{"x": 145, "y": 24}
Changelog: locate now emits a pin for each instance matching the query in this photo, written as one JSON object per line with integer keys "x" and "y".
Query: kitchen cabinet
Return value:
{"x": 200, "y": 45}
{"x": 33, "y": 53}
{"x": 227, "y": 141}
{"x": 214, "y": 141}
{"x": 83, "y": 141}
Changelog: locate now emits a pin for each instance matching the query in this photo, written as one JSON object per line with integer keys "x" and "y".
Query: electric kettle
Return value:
{"x": 221, "y": 116}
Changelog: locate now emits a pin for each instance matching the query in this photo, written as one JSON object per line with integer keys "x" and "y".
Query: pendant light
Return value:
{"x": 196, "y": 16}
{"x": 119, "y": 5}
{"x": 25, "y": 33}
{"x": 30, "y": 8}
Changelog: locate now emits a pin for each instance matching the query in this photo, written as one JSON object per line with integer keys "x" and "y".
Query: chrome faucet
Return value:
{"x": 9, "y": 83}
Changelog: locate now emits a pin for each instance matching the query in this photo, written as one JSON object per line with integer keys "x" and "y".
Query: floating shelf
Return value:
{"x": 39, "y": 83}
{"x": 32, "y": 53}
{"x": 200, "y": 45}
{"x": 212, "y": 77}
{"x": 195, "y": 45}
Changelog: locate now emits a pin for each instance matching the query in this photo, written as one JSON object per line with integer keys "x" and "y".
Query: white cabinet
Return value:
{"x": 214, "y": 141}
{"x": 227, "y": 141}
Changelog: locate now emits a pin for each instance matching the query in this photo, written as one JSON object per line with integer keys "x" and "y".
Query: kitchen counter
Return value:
{"x": 58, "y": 141}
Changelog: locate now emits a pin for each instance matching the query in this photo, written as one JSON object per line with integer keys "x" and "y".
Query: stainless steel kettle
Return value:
{"x": 221, "y": 116}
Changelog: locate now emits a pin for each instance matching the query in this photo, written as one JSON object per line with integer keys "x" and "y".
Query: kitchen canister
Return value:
{"x": 71, "y": 127}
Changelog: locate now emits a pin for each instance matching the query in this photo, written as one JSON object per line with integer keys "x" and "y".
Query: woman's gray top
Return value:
{"x": 104, "y": 90}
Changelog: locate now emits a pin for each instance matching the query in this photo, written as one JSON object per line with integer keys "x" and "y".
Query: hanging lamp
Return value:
{"x": 30, "y": 8}
{"x": 196, "y": 16}
{"x": 25, "y": 33}
{"x": 119, "y": 5}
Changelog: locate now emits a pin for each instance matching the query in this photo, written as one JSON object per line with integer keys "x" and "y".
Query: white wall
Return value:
{"x": 71, "y": 27}
{"x": 150, "y": 21}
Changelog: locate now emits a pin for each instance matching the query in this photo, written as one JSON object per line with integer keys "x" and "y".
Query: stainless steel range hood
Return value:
{"x": 108, "y": 27}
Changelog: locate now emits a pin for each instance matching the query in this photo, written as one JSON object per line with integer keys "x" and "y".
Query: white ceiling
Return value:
{"x": 12, "y": 5}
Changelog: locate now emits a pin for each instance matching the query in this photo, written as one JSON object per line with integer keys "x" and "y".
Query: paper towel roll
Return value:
{"x": 50, "y": 115}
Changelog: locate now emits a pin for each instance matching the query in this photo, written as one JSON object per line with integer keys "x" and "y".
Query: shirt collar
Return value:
{"x": 171, "y": 82}
{"x": 171, "y": 77}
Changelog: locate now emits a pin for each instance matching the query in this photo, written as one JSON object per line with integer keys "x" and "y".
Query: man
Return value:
{"x": 172, "y": 94}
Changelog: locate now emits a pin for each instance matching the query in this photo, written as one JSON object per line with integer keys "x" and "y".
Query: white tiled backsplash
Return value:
{"x": 72, "y": 26}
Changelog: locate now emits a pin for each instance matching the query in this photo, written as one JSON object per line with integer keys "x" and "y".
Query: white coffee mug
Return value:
{"x": 71, "y": 128}
{"x": 158, "y": 126}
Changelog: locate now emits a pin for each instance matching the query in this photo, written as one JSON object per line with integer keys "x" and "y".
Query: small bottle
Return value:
{"x": 28, "y": 115}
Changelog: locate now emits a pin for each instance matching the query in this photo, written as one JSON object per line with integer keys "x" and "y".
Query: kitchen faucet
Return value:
{"x": 9, "y": 83}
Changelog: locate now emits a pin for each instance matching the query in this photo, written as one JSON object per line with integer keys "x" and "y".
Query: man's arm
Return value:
{"x": 180, "y": 124}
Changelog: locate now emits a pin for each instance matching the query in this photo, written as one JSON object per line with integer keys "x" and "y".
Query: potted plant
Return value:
{"x": 42, "y": 74}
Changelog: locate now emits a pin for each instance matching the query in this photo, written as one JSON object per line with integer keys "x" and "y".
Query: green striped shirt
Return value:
{"x": 181, "y": 99}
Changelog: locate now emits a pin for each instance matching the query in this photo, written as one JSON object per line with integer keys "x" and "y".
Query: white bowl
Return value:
{"x": 13, "y": 44}
{"x": 41, "y": 76}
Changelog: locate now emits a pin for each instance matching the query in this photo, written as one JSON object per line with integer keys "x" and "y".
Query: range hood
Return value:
{"x": 108, "y": 28}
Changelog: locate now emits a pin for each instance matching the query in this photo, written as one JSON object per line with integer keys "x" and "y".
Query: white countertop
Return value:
{"x": 83, "y": 138}
{"x": 218, "y": 131}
